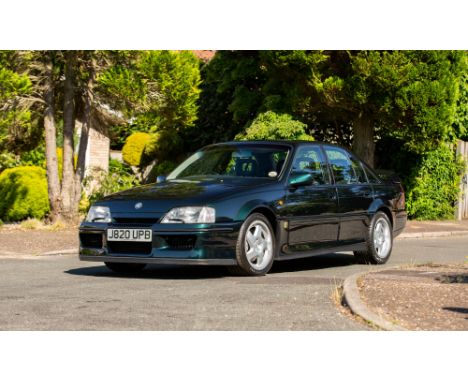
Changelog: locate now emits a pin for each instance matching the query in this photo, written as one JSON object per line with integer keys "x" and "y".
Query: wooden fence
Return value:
{"x": 462, "y": 206}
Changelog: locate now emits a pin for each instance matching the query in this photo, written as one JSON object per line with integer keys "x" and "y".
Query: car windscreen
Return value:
{"x": 234, "y": 161}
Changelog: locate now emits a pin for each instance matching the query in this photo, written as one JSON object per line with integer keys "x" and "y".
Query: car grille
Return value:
{"x": 137, "y": 221}
{"x": 180, "y": 242}
{"x": 91, "y": 240}
{"x": 129, "y": 247}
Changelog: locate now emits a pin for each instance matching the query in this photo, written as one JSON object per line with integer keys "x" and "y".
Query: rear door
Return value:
{"x": 355, "y": 194}
{"x": 312, "y": 208}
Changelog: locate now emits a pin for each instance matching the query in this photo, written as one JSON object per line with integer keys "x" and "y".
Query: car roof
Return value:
{"x": 293, "y": 143}
{"x": 270, "y": 142}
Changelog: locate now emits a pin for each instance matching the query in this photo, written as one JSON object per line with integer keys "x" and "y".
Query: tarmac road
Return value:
{"x": 62, "y": 293}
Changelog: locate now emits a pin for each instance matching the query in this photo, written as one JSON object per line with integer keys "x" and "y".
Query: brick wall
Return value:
{"x": 97, "y": 153}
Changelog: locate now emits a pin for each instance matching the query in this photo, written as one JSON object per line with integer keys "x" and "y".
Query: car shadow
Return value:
{"x": 457, "y": 309}
{"x": 176, "y": 272}
{"x": 330, "y": 260}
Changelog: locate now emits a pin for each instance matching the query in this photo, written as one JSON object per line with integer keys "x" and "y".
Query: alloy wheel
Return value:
{"x": 382, "y": 238}
{"x": 258, "y": 245}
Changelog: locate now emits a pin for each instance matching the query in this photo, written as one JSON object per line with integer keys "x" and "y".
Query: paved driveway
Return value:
{"x": 62, "y": 293}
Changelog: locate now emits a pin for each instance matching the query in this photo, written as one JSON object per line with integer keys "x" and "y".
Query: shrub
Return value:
{"x": 163, "y": 168}
{"x": 433, "y": 186}
{"x": 31, "y": 224}
{"x": 270, "y": 125}
{"x": 161, "y": 146}
{"x": 23, "y": 193}
{"x": 118, "y": 178}
{"x": 133, "y": 148}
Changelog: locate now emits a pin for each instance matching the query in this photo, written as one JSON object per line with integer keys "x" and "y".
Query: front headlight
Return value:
{"x": 190, "y": 215}
{"x": 99, "y": 214}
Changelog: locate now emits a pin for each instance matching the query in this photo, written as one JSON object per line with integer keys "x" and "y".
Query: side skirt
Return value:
{"x": 159, "y": 260}
{"x": 321, "y": 251}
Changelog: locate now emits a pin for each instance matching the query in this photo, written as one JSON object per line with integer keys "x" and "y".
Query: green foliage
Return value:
{"x": 119, "y": 177}
{"x": 231, "y": 96}
{"x": 23, "y": 193}
{"x": 159, "y": 89}
{"x": 134, "y": 147}
{"x": 461, "y": 116}
{"x": 161, "y": 146}
{"x": 271, "y": 126}
{"x": 35, "y": 157}
{"x": 19, "y": 124}
{"x": 13, "y": 84}
{"x": 8, "y": 160}
{"x": 163, "y": 168}
{"x": 433, "y": 185}
{"x": 410, "y": 95}
{"x": 173, "y": 78}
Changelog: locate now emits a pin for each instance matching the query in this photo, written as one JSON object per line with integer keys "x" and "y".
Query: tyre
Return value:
{"x": 125, "y": 267}
{"x": 379, "y": 241}
{"x": 255, "y": 247}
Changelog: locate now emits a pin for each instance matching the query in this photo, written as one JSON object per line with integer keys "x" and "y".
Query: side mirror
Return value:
{"x": 300, "y": 178}
{"x": 161, "y": 179}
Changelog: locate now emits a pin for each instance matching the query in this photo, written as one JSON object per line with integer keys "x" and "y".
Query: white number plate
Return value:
{"x": 129, "y": 234}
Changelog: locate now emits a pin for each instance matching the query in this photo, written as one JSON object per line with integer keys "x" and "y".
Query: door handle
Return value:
{"x": 366, "y": 194}
{"x": 332, "y": 196}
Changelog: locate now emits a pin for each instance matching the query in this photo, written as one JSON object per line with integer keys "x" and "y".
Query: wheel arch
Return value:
{"x": 380, "y": 206}
{"x": 257, "y": 206}
{"x": 387, "y": 212}
{"x": 268, "y": 214}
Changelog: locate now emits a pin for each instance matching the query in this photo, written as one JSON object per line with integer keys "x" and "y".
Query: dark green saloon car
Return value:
{"x": 245, "y": 205}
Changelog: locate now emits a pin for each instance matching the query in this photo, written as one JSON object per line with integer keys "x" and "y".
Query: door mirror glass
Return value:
{"x": 301, "y": 178}
{"x": 161, "y": 179}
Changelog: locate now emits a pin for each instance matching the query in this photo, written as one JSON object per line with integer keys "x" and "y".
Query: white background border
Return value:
{"x": 233, "y": 356}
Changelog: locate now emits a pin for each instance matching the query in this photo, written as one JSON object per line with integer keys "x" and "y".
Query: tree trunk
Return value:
{"x": 53, "y": 182}
{"x": 69, "y": 209}
{"x": 363, "y": 138}
{"x": 81, "y": 162}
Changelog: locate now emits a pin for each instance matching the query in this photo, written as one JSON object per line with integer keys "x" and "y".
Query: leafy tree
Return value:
{"x": 18, "y": 123}
{"x": 157, "y": 89}
{"x": 231, "y": 96}
{"x": 406, "y": 94}
{"x": 349, "y": 97}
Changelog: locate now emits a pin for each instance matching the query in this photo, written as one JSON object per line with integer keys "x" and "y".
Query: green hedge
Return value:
{"x": 433, "y": 186}
{"x": 23, "y": 193}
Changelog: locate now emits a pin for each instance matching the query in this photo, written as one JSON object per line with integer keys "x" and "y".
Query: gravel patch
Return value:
{"x": 433, "y": 297}
{"x": 36, "y": 242}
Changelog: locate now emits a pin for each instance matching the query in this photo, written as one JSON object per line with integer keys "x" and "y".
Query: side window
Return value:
{"x": 358, "y": 170}
{"x": 370, "y": 175}
{"x": 346, "y": 170}
{"x": 310, "y": 159}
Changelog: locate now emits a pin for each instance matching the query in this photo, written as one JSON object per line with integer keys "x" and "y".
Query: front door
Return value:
{"x": 311, "y": 209}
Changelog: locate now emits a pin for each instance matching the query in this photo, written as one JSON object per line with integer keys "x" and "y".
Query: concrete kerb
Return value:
{"x": 353, "y": 299}
{"x": 60, "y": 252}
{"x": 434, "y": 234}
{"x": 72, "y": 251}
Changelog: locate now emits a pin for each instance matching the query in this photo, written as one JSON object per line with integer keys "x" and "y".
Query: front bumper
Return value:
{"x": 204, "y": 244}
{"x": 157, "y": 260}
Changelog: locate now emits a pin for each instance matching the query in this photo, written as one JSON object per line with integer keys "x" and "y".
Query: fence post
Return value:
{"x": 461, "y": 211}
